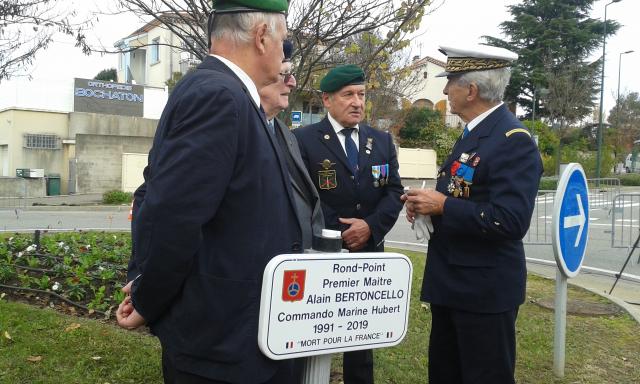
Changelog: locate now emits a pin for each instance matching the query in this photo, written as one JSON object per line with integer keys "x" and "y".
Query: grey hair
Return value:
{"x": 238, "y": 27}
{"x": 491, "y": 82}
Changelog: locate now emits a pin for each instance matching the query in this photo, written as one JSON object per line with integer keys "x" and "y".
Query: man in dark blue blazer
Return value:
{"x": 216, "y": 187}
{"x": 475, "y": 274}
{"x": 356, "y": 174}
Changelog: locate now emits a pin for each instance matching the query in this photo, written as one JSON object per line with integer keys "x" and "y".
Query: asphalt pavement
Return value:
{"x": 72, "y": 212}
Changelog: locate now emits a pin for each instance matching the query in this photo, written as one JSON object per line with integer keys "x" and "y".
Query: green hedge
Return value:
{"x": 548, "y": 184}
{"x": 629, "y": 179}
{"x": 117, "y": 197}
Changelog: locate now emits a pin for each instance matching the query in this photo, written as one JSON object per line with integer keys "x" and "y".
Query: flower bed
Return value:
{"x": 75, "y": 272}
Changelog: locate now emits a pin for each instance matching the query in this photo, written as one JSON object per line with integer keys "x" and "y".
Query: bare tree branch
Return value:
{"x": 28, "y": 26}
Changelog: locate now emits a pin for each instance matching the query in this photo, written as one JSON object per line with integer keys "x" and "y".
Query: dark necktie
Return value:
{"x": 270, "y": 126}
{"x": 465, "y": 132}
{"x": 351, "y": 149}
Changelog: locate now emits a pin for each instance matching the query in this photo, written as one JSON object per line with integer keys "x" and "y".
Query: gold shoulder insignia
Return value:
{"x": 517, "y": 130}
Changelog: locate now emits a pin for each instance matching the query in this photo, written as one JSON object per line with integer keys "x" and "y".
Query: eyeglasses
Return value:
{"x": 286, "y": 76}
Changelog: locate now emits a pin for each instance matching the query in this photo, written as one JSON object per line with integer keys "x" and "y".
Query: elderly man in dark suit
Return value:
{"x": 217, "y": 185}
{"x": 275, "y": 98}
{"x": 481, "y": 209}
{"x": 355, "y": 170}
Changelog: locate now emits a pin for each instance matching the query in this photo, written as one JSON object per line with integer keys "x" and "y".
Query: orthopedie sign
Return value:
{"x": 96, "y": 96}
{"x": 314, "y": 304}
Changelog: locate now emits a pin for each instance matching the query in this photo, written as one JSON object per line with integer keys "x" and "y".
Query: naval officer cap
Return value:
{"x": 463, "y": 59}
{"x": 236, "y": 6}
{"x": 340, "y": 77}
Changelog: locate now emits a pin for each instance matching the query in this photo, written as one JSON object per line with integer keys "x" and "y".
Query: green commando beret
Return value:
{"x": 341, "y": 76}
{"x": 228, "y": 6}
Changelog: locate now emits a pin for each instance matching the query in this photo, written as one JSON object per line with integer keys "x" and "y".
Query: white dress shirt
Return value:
{"x": 337, "y": 127}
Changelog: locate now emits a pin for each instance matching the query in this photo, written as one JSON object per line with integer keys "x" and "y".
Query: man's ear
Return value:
{"x": 326, "y": 99}
{"x": 472, "y": 92}
{"x": 261, "y": 37}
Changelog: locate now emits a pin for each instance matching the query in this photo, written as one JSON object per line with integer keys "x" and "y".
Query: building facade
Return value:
{"x": 429, "y": 88}
{"x": 151, "y": 55}
{"x": 90, "y": 134}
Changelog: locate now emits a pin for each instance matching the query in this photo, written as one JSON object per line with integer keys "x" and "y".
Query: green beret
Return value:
{"x": 340, "y": 77}
{"x": 229, "y": 6}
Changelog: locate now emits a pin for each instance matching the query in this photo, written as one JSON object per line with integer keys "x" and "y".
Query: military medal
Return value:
{"x": 451, "y": 187}
{"x": 375, "y": 172}
{"x": 383, "y": 174}
{"x": 463, "y": 157}
{"x": 327, "y": 178}
{"x": 476, "y": 160}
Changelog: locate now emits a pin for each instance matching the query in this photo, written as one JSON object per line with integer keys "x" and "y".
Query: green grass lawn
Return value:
{"x": 43, "y": 346}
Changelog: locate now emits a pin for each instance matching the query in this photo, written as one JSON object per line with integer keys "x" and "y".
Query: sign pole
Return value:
{"x": 317, "y": 369}
{"x": 560, "y": 330}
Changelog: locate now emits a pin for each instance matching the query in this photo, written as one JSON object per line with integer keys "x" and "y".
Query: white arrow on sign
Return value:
{"x": 579, "y": 219}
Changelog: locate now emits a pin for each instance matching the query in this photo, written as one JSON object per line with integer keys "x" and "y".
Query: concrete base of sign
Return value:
{"x": 317, "y": 369}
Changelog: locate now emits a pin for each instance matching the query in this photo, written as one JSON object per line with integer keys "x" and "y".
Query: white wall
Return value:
{"x": 417, "y": 163}
{"x": 154, "y": 101}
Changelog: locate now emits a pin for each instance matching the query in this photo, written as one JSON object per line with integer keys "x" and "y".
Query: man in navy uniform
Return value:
{"x": 355, "y": 170}
{"x": 217, "y": 185}
{"x": 475, "y": 274}
{"x": 275, "y": 98}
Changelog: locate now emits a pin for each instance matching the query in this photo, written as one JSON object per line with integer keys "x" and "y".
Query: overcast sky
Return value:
{"x": 453, "y": 21}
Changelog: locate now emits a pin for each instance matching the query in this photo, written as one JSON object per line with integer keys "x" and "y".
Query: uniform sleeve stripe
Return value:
{"x": 517, "y": 130}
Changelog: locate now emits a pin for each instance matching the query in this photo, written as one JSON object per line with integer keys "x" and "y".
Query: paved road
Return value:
{"x": 599, "y": 254}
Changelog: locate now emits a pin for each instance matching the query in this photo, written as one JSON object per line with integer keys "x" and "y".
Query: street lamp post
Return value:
{"x": 604, "y": 45}
{"x": 618, "y": 94}
{"x": 533, "y": 108}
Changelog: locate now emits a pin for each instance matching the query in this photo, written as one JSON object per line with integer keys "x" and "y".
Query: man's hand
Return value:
{"x": 357, "y": 235}
{"x": 126, "y": 314}
{"x": 424, "y": 202}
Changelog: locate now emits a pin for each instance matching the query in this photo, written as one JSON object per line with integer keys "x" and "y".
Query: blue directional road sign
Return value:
{"x": 296, "y": 117}
{"x": 571, "y": 220}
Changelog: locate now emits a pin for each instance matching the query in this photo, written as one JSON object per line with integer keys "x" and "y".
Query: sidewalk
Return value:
{"x": 75, "y": 202}
{"x": 626, "y": 294}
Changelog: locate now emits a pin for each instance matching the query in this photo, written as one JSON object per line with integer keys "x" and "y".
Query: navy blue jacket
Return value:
{"x": 216, "y": 188}
{"x": 353, "y": 197}
{"x": 475, "y": 260}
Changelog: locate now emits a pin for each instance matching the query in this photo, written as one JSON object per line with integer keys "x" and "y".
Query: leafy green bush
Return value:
{"x": 548, "y": 184}
{"x": 117, "y": 197}
{"x": 548, "y": 165}
{"x": 629, "y": 179}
